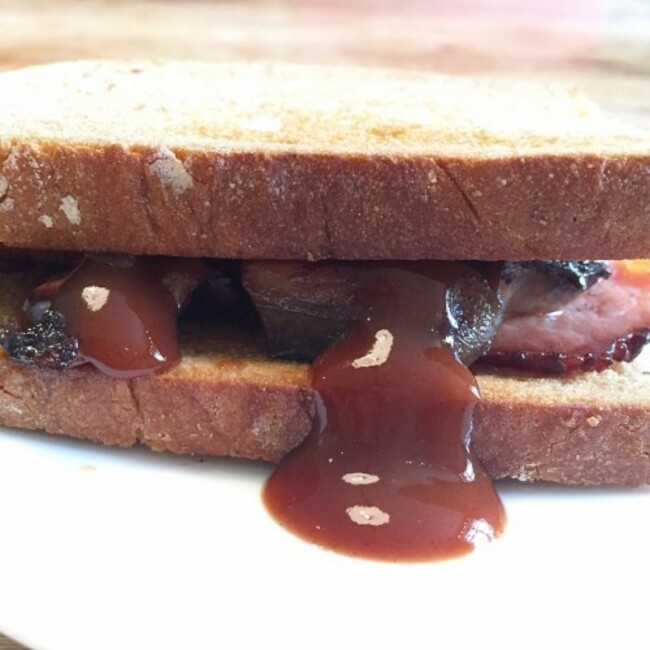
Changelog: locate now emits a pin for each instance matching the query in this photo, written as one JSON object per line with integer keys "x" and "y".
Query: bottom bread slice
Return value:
{"x": 226, "y": 397}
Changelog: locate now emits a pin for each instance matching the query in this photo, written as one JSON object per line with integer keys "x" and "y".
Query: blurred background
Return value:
{"x": 603, "y": 45}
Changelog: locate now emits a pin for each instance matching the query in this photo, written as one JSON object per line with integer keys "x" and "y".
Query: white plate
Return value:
{"x": 104, "y": 548}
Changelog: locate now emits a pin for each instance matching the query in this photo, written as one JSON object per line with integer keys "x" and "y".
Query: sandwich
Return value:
{"x": 396, "y": 285}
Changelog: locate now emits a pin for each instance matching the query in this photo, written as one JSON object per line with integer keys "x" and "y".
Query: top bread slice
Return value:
{"x": 250, "y": 160}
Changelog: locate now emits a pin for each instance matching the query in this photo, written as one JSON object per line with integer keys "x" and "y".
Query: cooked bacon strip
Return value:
{"x": 607, "y": 323}
{"x": 550, "y": 326}
{"x": 544, "y": 286}
{"x": 625, "y": 348}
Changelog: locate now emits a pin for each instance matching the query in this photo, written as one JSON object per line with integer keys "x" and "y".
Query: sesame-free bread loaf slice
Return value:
{"x": 254, "y": 160}
{"x": 226, "y": 397}
{"x": 588, "y": 428}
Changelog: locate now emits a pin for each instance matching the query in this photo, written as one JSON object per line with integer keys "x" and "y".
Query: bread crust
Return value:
{"x": 328, "y": 206}
{"x": 352, "y": 175}
{"x": 591, "y": 428}
{"x": 226, "y": 398}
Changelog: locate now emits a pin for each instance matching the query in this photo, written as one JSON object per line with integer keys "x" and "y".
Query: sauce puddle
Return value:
{"x": 389, "y": 474}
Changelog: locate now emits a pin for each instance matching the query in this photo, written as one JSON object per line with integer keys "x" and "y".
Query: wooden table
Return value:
{"x": 603, "y": 45}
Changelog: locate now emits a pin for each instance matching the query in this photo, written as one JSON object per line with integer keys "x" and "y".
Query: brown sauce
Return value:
{"x": 121, "y": 311}
{"x": 390, "y": 474}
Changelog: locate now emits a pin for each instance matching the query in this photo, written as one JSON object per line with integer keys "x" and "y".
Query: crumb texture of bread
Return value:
{"x": 278, "y": 161}
{"x": 226, "y": 398}
{"x": 591, "y": 428}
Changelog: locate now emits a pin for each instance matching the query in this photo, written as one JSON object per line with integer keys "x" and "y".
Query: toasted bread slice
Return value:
{"x": 303, "y": 162}
{"x": 226, "y": 397}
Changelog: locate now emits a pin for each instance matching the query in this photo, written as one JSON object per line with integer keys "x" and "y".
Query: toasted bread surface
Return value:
{"x": 227, "y": 398}
{"x": 305, "y": 162}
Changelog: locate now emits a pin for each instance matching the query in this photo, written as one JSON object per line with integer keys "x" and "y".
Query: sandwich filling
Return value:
{"x": 388, "y": 471}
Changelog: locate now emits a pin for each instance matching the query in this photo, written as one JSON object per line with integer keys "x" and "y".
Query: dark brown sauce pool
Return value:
{"x": 390, "y": 475}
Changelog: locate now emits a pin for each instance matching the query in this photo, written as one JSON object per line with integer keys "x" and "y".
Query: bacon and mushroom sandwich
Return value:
{"x": 397, "y": 285}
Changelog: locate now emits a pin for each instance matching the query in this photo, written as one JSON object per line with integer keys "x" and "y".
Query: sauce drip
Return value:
{"x": 390, "y": 474}
{"x": 122, "y": 310}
